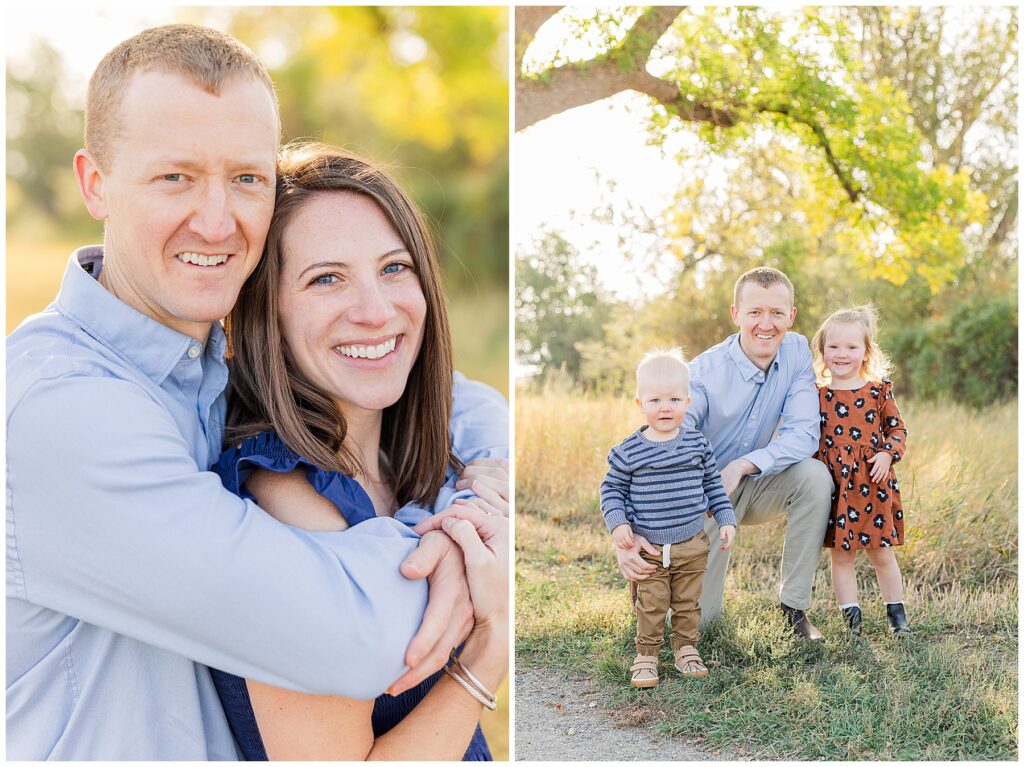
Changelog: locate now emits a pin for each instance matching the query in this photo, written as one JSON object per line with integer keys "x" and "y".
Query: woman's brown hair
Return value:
{"x": 270, "y": 392}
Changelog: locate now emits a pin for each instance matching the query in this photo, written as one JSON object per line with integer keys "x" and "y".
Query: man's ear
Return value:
{"x": 735, "y": 314}
{"x": 792, "y": 317}
{"x": 90, "y": 185}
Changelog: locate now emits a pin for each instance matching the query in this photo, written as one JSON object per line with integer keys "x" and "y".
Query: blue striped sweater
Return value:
{"x": 662, "y": 489}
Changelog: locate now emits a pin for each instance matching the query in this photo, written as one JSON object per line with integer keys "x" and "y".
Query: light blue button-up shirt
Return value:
{"x": 738, "y": 407}
{"x": 130, "y": 568}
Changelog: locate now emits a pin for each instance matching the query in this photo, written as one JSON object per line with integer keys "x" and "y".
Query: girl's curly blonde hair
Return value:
{"x": 876, "y": 364}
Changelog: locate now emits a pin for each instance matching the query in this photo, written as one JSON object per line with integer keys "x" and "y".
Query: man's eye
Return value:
{"x": 173, "y": 176}
{"x": 247, "y": 178}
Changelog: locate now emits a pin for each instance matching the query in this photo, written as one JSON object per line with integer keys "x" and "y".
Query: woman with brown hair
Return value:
{"x": 340, "y": 413}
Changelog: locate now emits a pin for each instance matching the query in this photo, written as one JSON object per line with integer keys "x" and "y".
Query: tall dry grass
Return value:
{"x": 959, "y": 483}
{"x": 948, "y": 693}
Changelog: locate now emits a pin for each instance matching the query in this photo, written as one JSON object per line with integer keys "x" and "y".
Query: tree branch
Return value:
{"x": 576, "y": 84}
{"x": 853, "y": 190}
{"x": 528, "y": 19}
{"x": 1006, "y": 223}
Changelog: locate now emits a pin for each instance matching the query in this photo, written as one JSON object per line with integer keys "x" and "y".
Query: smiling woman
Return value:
{"x": 342, "y": 398}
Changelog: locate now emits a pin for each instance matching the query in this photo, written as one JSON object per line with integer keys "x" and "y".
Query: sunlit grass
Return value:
{"x": 949, "y": 693}
{"x": 34, "y": 271}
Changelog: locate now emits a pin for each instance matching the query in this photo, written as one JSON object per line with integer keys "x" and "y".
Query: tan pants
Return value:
{"x": 803, "y": 492}
{"x": 676, "y": 586}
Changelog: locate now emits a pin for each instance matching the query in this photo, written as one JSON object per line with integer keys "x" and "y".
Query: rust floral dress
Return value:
{"x": 856, "y": 424}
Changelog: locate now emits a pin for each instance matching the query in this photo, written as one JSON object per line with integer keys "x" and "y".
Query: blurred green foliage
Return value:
{"x": 424, "y": 90}
{"x": 969, "y": 354}
{"x": 918, "y": 108}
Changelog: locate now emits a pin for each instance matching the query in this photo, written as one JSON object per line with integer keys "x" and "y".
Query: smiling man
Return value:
{"x": 130, "y": 569}
{"x": 754, "y": 400}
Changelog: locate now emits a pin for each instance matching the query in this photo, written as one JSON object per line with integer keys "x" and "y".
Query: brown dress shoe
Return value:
{"x": 802, "y": 626}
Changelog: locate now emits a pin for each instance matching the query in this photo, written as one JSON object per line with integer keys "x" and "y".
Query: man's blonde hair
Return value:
{"x": 876, "y": 364}
{"x": 205, "y": 56}
{"x": 765, "y": 276}
{"x": 662, "y": 362}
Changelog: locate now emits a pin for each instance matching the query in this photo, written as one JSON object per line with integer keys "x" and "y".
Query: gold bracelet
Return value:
{"x": 455, "y": 669}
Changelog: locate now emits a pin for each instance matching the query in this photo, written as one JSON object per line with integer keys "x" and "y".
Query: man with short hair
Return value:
{"x": 755, "y": 383}
{"x": 129, "y": 567}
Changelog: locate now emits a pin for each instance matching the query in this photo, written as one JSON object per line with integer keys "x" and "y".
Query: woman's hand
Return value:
{"x": 484, "y": 539}
{"x": 488, "y": 479}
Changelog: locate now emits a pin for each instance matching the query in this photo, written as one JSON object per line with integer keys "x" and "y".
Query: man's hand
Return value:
{"x": 488, "y": 479}
{"x": 880, "y": 463}
{"x": 726, "y": 533}
{"x": 448, "y": 618}
{"x": 623, "y": 536}
{"x": 734, "y": 472}
{"x": 631, "y": 564}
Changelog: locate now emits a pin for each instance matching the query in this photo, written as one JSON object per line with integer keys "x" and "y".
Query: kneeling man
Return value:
{"x": 753, "y": 384}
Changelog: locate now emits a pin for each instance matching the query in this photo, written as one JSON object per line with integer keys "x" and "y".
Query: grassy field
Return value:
{"x": 949, "y": 692}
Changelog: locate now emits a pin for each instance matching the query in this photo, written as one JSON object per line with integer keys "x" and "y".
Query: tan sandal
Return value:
{"x": 689, "y": 663}
{"x": 644, "y": 671}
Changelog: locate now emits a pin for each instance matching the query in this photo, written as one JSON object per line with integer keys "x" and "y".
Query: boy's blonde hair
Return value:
{"x": 205, "y": 56}
{"x": 876, "y": 364}
{"x": 661, "y": 361}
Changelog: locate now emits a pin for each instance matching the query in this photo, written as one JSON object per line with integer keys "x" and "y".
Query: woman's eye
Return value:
{"x": 396, "y": 268}
{"x": 324, "y": 279}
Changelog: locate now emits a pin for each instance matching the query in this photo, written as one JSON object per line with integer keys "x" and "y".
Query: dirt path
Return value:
{"x": 566, "y": 720}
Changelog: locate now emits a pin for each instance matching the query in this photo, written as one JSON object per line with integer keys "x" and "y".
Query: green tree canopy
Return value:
{"x": 739, "y": 74}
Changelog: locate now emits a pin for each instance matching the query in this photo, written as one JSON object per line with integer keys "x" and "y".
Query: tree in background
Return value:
{"x": 558, "y": 306}
{"x": 44, "y": 130}
{"x": 733, "y": 71}
{"x": 891, "y": 177}
{"x": 422, "y": 89}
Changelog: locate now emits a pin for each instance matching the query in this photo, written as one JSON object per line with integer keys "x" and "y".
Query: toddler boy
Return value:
{"x": 661, "y": 481}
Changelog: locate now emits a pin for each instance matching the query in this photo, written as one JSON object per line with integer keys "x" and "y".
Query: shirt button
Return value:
{"x": 193, "y": 351}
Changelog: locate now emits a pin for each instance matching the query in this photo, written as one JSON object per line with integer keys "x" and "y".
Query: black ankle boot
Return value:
{"x": 897, "y": 619}
{"x": 853, "y": 619}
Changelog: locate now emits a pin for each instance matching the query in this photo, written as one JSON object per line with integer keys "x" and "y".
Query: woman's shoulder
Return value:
{"x": 267, "y": 452}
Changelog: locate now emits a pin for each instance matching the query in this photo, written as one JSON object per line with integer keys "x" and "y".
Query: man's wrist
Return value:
{"x": 745, "y": 467}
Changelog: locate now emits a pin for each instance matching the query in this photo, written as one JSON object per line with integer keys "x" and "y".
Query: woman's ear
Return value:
{"x": 90, "y": 185}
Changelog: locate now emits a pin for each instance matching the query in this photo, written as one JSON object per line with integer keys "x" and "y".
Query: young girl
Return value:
{"x": 862, "y": 435}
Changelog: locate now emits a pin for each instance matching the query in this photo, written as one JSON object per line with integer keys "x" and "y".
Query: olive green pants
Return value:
{"x": 677, "y": 586}
{"x": 803, "y": 493}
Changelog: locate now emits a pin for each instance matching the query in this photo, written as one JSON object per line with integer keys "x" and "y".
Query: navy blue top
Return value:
{"x": 268, "y": 451}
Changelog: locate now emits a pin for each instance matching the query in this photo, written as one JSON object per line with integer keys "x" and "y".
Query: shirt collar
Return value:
{"x": 152, "y": 347}
{"x": 748, "y": 369}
